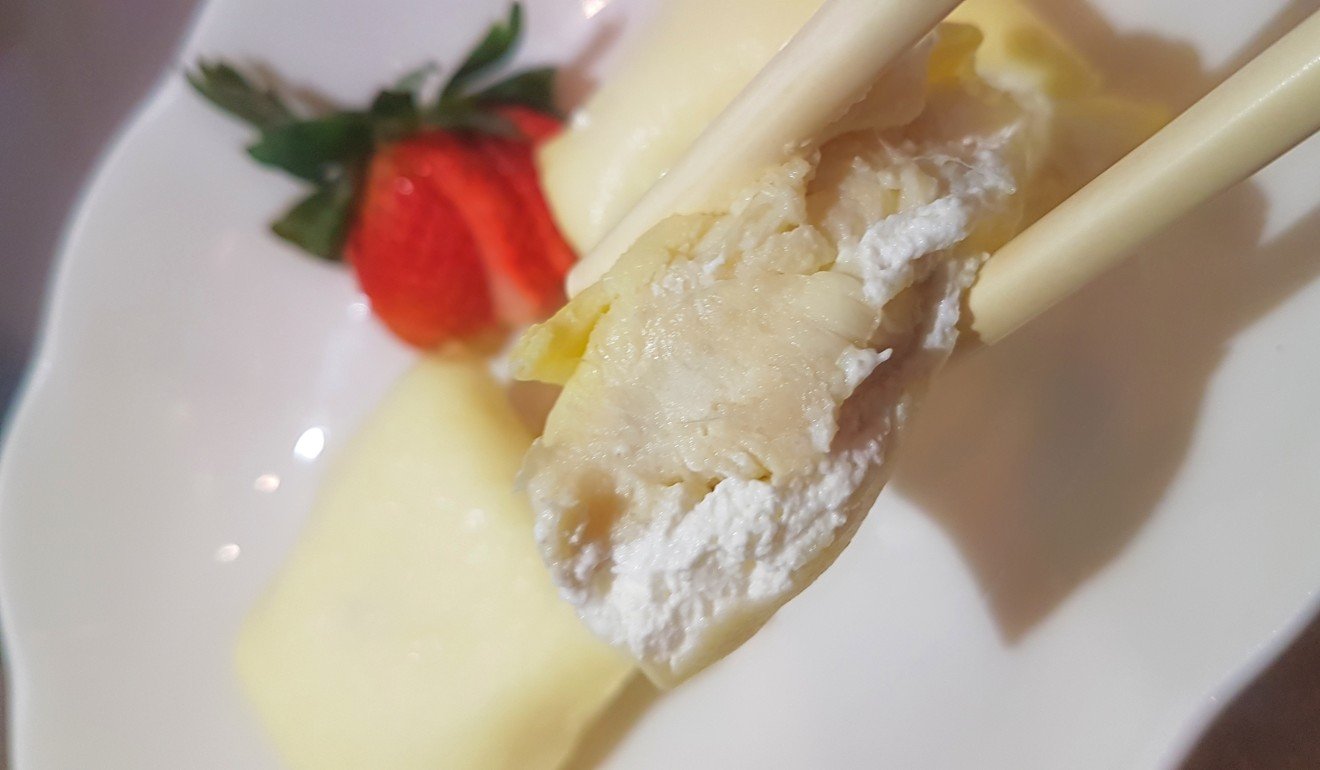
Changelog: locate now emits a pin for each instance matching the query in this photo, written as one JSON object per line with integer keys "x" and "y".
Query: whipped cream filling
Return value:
{"x": 735, "y": 384}
{"x": 688, "y": 562}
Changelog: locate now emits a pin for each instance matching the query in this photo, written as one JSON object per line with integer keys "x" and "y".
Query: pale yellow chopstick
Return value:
{"x": 1260, "y": 112}
{"x": 827, "y": 66}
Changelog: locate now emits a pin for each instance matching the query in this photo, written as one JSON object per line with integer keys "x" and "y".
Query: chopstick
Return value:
{"x": 826, "y": 67}
{"x": 1253, "y": 117}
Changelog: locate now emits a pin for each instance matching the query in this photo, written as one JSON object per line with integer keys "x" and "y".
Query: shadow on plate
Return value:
{"x": 619, "y": 717}
{"x": 1044, "y": 455}
{"x": 1271, "y": 724}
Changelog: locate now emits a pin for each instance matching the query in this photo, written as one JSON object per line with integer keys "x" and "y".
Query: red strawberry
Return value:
{"x": 533, "y": 124}
{"x": 439, "y": 211}
{"x": 415, "y": 256}
{"x": 524, "y": 284}
{"x": 513, "y": 160}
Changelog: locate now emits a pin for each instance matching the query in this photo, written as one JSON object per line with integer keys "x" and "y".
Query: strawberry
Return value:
{"x": 528, "y": 281}
{"x": 436, "y": 204}
{"x": 524, "y": 284}
{"x": 534, "y": 124}
{"x": 415, "y": 256}
{"x": 515, "y": 163}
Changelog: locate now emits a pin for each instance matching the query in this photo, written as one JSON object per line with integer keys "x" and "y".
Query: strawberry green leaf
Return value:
{"x": 413, "y": 82}
{"x": 228, "y": 89}
{"x": 309, "y": 149}
{"x": 533, "y": 88}
{"x": 393, "y": 115}
{"x": 390, "y": 105}
{"x": 466, "y": 116}
{"x": 319, "y": 223}
{"x": 497, "y": 44}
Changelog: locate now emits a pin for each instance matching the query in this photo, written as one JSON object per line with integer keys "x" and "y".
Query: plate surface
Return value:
{"x": 1098, "y": 530}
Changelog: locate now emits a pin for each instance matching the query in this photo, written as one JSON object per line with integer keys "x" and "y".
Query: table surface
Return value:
{"x": 1273, "y": 723}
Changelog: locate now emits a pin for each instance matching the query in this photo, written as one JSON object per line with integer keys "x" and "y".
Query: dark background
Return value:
{"x": 71, "y": 71}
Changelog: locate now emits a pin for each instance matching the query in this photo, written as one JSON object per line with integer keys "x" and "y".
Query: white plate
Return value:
{"x": 1100, "y": 528}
